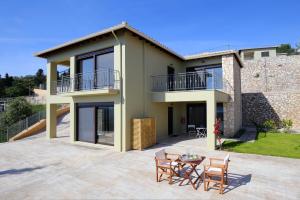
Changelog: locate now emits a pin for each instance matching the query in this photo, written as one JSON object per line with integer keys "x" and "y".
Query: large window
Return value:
{"x": 95, "y": 70}
{"x": 205, "y": 77}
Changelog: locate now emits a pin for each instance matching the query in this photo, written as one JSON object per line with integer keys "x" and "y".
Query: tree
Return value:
{"x": 17, "y": 110}
{"x": 8, "y": 80}
{"x": 39, "y": 78}
{"x": 20, "y": 87}
{"x": 2, "y": 90}
{"x": 285, "y": 48}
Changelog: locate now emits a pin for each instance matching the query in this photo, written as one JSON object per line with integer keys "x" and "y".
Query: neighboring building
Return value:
{"x": 120, "y": 73}
{"x": 270, "y": 87}
{"x": 258, "y": 53}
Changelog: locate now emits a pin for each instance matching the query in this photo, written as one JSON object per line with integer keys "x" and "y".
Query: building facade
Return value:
{"x": 120, "y": 73}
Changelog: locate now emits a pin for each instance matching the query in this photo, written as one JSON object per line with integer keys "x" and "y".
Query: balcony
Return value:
{"x": 187, "y": 81}
{"x": 104, "y": 80}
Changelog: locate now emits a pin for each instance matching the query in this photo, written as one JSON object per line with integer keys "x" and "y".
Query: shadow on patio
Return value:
{"x": 20, "y": 171}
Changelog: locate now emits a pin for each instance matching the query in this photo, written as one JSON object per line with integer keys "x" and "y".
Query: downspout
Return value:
{"x": 121, "y": 91}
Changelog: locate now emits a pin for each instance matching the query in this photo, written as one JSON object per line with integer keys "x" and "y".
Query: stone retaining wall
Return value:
{"x": 271, "y": 89}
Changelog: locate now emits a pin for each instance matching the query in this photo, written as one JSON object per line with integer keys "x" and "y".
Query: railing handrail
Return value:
{"x": 187, "y": 81}
{"x": 182, "y": 74}
{"x": 102, "y": 69}
{"x": 99, "y": 79}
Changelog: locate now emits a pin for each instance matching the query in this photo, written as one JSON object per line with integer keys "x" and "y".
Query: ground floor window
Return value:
{"x": 95, "y": 122}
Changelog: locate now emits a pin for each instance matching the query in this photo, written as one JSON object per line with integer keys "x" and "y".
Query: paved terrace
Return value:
{"x": 37, "y": 168}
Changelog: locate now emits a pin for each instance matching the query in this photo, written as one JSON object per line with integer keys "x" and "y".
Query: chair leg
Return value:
{"x": 221, "y": 185}
{"x": 170, "y": 177}
{"x": 157, "y": 175}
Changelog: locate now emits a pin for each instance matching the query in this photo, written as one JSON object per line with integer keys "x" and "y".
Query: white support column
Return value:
{"x": 51, "y": 76}
{"x": 211, "y": 117}
{"x": 51, "y": 120}
{"x": 72, "y": 121}
{"x": 72, "y": 72}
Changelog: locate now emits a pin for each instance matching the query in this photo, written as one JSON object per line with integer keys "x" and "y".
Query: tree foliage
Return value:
{"x": 17, "y": 110}
{"x": 285, "y": 48}
{"x": 20, "y": 86}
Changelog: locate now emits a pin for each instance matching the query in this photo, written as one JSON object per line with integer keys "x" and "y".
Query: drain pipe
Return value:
{"x": 121, "y": 91}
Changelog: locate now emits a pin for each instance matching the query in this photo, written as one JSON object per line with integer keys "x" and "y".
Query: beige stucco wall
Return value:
{"x": 142, "y": 61}
{"x": 257, "y": 52}
{"x": 137, "y": 60}
{"x": 69, "y": 55}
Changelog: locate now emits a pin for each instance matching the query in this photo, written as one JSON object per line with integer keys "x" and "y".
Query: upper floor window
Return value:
{"x": 265, "y": 54}
{"x": 249, "y": 55}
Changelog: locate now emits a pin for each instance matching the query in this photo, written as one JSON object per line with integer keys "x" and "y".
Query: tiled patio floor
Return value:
{"x": 37, "y": 168}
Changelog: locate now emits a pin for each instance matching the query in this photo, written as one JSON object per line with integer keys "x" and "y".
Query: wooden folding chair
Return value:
{"x": 217, "y": 172}
{"x": 167, "y": 164}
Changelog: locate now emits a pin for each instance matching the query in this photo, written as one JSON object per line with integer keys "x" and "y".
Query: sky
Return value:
{"x": 187, "y": 27}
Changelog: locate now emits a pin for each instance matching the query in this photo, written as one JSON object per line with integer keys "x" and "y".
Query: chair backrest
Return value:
{"x": 160, "y": 154}
{"x": 226, "y": 159}
{"x": 191, "y": 127}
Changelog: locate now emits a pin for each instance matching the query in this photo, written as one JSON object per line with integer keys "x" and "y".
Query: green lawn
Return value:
{"x": 273, "y": 144}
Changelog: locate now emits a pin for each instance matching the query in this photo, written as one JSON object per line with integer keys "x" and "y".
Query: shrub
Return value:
{"x": 17, "y": 110}
{"x": 270, "y": 125}
{"x": 287, "y": 124}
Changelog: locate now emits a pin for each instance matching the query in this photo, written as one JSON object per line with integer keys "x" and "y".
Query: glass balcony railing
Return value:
{"x": 187, "y": 81}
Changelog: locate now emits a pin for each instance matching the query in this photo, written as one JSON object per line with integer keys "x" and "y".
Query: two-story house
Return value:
{"x": 120, "y": 73}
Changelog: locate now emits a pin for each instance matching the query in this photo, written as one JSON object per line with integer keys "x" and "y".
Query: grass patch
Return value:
{"x": 38, "y": 107}
{"x": 273, "y": 144}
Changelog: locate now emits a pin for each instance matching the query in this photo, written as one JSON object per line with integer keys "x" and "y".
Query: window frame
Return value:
{"x": 265, "y": 54}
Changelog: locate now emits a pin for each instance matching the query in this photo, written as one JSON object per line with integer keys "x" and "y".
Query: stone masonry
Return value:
{"x": 271, "y": 89}
{"x": 232, "y": 86}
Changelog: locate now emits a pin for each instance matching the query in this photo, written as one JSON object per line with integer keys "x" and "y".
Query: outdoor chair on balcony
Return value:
{"x": 167, "y": 164}
{"x": 216, "y": 172}
{"x": 192, "y": 130}
{"x": 201, "y": 132}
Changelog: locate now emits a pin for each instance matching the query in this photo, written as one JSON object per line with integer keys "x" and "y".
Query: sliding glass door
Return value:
{"x": 105, "y": 124}
{"x": 95, "y": 122}
{"x": 85, "y": 75}
{"x": 85, "y": 124}
{"x": 95, "y": 70}
{"x": 104, "y": 69}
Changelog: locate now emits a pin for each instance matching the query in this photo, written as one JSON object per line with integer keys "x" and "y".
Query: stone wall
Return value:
{"x": 271, "y": 89}
{"x": 232, "y": 86}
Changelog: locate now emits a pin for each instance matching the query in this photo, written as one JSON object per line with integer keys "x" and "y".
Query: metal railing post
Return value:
{"x": 213, "y": 80}
{"x": 108, "y": 78}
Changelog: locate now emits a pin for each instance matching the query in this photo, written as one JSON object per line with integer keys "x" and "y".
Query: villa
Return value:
{"x": 120, "y": 73}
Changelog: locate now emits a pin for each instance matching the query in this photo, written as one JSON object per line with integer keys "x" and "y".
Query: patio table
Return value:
{"x": 192, "y": 169}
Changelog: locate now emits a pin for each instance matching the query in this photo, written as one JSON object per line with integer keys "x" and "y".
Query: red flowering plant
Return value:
{"x": 217, "y": 131}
